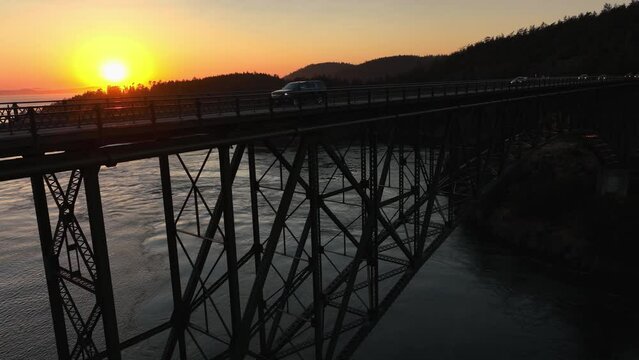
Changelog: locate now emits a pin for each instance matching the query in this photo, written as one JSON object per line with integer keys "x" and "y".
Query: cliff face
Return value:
{"x": 552, "y": 209}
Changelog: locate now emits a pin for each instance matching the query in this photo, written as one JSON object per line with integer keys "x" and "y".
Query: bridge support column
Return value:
{"x": 226, "y": 179}
{"x": 255, "y": 220}
{"x": 50, "y": 265}
{"x": 316, "y": 250}
{"x": 373, "y": 207}
{"x": 104, "y": 286}
{"x": 174, "y": 265}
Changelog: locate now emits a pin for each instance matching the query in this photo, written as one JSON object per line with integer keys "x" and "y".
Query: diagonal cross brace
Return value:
{"x": 202, "y": 255}
{"x": 269, "y": 251}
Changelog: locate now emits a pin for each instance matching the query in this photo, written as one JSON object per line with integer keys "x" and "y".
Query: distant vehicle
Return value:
{"x": 636, "y": 76}
{"x": 583, "y": 77}
{"x": 519, "y": 80}
{"x": 630, "y": 76}
{"x": 297, "y": 92}
{"x": 602, "y": 77}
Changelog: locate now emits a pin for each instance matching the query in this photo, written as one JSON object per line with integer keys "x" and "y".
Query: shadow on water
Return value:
{"x": 479, "y": 300}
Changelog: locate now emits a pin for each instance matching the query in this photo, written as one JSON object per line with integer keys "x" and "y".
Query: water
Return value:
{"x": 478, "y": 300}
{"x": 42, "y": 98}
{"x": 473, "y": 299}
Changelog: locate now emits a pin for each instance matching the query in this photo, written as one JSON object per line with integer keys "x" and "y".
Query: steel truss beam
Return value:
{"x": 69, "y": 245}
{"x": 340, "y": 223}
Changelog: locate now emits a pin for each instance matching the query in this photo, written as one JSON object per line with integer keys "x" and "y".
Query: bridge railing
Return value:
{"x": 33, "y": 117}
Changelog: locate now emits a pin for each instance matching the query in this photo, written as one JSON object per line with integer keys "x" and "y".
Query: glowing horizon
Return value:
{"x": 156, "y": 40}
{"x": 112, "y": 60}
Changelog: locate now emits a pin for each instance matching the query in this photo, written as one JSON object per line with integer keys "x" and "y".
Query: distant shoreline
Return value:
{"x": 37, "y": 91}
{"x": 45, "y": 97}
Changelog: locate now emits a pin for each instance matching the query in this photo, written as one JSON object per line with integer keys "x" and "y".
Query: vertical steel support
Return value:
{"x": 363, "y": 171}
{"x": 373, "y": 207}
{"x": 205, "y": 247}
{"x": 271, "y": 245}
{"x": 433, "y": 187}
{"x": 104, "y": 287}
{"x": 257, "y": 245}
{"x": 402, "y": 163}
{"x": 316, "y": 250}
{"x": 174, "y": 265}
{"x": 14, "y": 109}
{"x": 33, "y": 127}
{"x": 226, "y": 179}
{"x": 417, "y": 185}
{"x": 50, "y": 265}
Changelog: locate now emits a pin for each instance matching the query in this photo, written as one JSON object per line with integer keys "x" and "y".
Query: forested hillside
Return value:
{"x": 603, "y": 43}
{"x": 594, "y": 43}
{"x": 377, "y": 70}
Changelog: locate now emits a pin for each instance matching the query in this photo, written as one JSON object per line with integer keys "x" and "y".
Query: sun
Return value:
{"x": 114, "y": 71}
{"x": 111, "y": 60}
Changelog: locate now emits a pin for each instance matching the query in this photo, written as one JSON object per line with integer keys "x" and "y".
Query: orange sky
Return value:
{"x": 66, "y": 43}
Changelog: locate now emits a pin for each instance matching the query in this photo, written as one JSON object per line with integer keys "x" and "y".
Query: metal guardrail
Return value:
{"x": 21, "y": 117}
{"x": 12, "y": 167}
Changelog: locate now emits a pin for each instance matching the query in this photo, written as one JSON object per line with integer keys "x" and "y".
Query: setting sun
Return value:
{"x": 112, "y": 60}
{"x": 114, "y": 71}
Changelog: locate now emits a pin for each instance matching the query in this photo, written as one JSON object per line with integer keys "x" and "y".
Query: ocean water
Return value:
{"x": 43, "y": 98}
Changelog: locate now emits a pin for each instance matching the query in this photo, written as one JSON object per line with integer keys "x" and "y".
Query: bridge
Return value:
{"x": 348, "y": 197}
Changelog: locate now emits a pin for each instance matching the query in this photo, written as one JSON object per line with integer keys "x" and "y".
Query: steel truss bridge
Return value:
{"x": 351, "y": 197}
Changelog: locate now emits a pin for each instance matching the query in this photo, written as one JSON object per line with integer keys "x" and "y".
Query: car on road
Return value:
{"x": 298, "y": 92}
{"x": 602, "y": 77}
{"x": 519, "y": 80}
{"x": 582, "y": 77}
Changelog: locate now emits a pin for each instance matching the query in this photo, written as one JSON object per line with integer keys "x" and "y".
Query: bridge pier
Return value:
{"x": 174, "y": 265}
{"x": 316, "y": 249}
{"x": 51, "y": 266}
{"x": 103, "y": 286}
{"x": 86, "y": 267}
{"x": 226, "y": 182}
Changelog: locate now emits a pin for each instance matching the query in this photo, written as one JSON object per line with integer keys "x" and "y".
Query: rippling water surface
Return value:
{"x": 473, "y": 300}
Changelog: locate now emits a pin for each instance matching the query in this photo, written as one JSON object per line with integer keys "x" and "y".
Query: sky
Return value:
{"x": 60, "y": 44}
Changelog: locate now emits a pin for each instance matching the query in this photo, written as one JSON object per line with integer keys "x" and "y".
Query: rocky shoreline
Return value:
{"x": 550, "y": 208}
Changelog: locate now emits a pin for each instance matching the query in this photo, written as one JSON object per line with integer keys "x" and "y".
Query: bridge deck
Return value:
{"x": 123, "y": 129}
